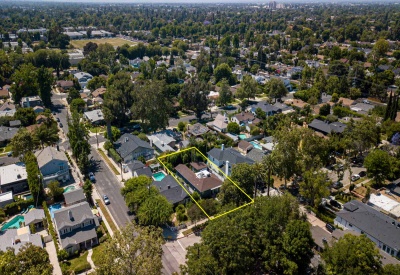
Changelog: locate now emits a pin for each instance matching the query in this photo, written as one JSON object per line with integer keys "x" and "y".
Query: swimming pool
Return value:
{"x": 158, "y": 176}
{"x": 28, "y": 196}
{"x": 14, "y": 223}
{"x": 242, "y": 136}
{"x": 53, "y": 208}
{"x": 256, "y": 145}
{"x": 69, "y": 188}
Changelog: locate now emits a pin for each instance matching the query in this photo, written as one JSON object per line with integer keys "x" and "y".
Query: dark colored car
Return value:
{"x": 91, "y": 177}
{"x": 335, "y": 204}
{"x": 362, "y": 174}
{"x": 330, "y": 227}
{"x": 58, "y": 119}
{"x": 61, "y": 125}
{"x": 337, "y": 185}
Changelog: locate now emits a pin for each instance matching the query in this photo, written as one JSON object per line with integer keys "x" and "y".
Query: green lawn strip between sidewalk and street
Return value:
{"x": 106, "y": 159}
{"x": 107, "y": 216}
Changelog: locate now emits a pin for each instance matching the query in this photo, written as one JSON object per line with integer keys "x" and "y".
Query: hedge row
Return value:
{"x": 17, "y": 206}
{"x": 50, "y": 225}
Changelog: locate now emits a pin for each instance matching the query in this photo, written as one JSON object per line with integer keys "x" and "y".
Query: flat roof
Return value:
{"x": 7, "y": 196}
{"x": 13, "y": 173}
{"x": 382, "y": 202}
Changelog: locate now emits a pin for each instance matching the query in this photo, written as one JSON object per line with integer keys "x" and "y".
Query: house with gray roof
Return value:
{"x": 95, "y": 117}
{"x": 326, "y": 128}
{"x": 196, "y": 129}
{"x": 35, "y": 217}
{"x": 224, "y": 159}
{"x": 171, "y": 190}
{"x": 12, "y": 239}
{"x": 53, "y": 164}
{"x": 74, "y": 197}
{"x": 162, "y": 142}
{"x": 83, "y": 78}
{"x": 130, "y": 148}
{"x": 31, "y": 101}
{"x": 267, "y": 108}
{"x": 76, "y": 227}
{"x": 380, "y": 228}
{"x": 145, "y": 171}
{"x": 133, "y": 166}
{"x": 6, "y": 134}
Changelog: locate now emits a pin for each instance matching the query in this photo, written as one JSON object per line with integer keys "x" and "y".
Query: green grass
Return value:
{"x": 97, "y": 252}
{"x": 78, "y": 264}
{"x": 97, "y": 129}
{"x": 107, "y": 216}
{"x": 79, "y": 44}
{"x": 106, "y": 159}
{"x": 6, "y": 149}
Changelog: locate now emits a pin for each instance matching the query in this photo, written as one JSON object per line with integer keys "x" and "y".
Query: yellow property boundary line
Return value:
{"x": 215, "y": 166}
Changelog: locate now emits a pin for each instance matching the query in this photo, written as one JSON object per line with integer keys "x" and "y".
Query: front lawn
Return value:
{"x": 76, "y": 265}
{"x": 97, "y": 252}
{"x": 97, "y": 129}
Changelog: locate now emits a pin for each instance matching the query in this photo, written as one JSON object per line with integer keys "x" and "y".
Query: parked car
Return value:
{"x": 9, "y": 154}
{"x": 58, "y": 119}
{"x": 330, "y": 227}
{"x": 61, "y": 125}
{"x": 355, "y": 177}
{"x": 335, "y": 204}
{"x": 362, "y": 174}
{"x": 337, "y": 185}
{"x": 106, "y": 200}
{"x": 91, "y": 177}
{"x": 339, "y": 166}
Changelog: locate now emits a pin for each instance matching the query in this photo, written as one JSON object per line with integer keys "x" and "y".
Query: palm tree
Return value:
{"x": 270, "y": 165}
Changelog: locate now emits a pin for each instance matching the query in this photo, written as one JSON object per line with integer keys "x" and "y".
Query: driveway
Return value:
{"x": 177, "y": 248}
{"x": 51, "y": 249}
{"x": 59, "y": 101}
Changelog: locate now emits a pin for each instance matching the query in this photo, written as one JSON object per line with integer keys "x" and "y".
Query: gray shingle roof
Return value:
{"x": 170, "y": 189}
{"x": 48, "y": 154}
{"x": 229, "y": 154}
{"x": 372, "y": 222}
{"x": 34, "y": 216}
{"x": 80, "y": 212}
{"x": 79, "y": 236}
{"x": 135, "y": 165}
{"x": 327, "y": 128}
{"x": 146, "y": 171}
{"x": 74, "y": 196}
{"x": 256, "y": 155}
{"x": 7, "y": 133}
{"x": 7, "y": 239}
{"x": 127, "y": 143}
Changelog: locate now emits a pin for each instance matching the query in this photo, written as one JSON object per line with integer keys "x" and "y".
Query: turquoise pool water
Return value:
{"x": 256, "y": 145}
{"x": 14, "y": 223}
{"x": 27, "y": 197}
{"x": 158, "y": 176}
{"x": 69, "y": 188}
{"x": 242, "y": 136}
{"x": 53, "y": 208}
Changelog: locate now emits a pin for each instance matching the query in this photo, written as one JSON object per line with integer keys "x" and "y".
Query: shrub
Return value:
{"x": 32, "y": 228}
{"x": 114, "y": 155}
{"x": 62, "y": 255}
{"x": 233, "y": 128}
{"x": 17, "y": 206}
{"x": 50, "y": 225}
{"x": 103, "y": 239}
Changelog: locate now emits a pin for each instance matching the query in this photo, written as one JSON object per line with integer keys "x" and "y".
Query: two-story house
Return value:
{"x": 83, "y": 78}
{"x": 14, "y": 178}
{"x": 130, "y": 148}
{"x": 224, "y": 159}
{"x": 245, "y": 119}
{"x": 76, "y": 227}
{"x": 53, "y": 165}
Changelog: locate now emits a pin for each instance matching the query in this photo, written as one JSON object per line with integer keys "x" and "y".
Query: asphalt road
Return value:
{"x": 107, "y": 184}
{"x": 8, "y": 160}
{"x": 58, "y": 101}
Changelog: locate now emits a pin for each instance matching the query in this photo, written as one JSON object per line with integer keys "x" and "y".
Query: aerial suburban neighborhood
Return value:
{"x": 199, "y": 138}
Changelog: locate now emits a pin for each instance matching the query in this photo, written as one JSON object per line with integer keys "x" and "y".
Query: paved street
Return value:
{"x": 8, "y": 160}
{"x": 107, "y": 184}
{"x": 60, "y": 109}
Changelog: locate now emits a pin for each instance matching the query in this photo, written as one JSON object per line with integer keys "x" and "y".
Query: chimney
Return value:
{"x": 70, "y": 215}
{"x": 168, "y": 186}
{"x": 58, "y": 147}
{"x": 151, "y": 143}
{"x": 126, "y": 139}
{"x": 222, "y": 147}
{"x": 227, "y": 167}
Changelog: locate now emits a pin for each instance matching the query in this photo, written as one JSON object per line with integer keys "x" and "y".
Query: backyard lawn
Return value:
{"x": 79, "y": 44}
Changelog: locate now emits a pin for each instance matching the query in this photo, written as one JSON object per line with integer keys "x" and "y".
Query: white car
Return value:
{"x": 106, "y": 200}
{"x": 355, "y": 177}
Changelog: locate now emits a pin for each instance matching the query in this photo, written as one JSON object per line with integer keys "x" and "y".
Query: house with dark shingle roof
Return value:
{"x": 226, "y": 158}
{"x": 74, "y": 197}
{"x": 6, "y": 134}
{"x": 267, "y": 108}
{"x": 327, "y": 128}
{"x": 171, "y": 190}
{"x": 76, "y": 227}
{"x": 380, "y": 228}
{"x": 204, "y": 182}
{"x": 35, "y": 217}
{"x": 130, "y": 148}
